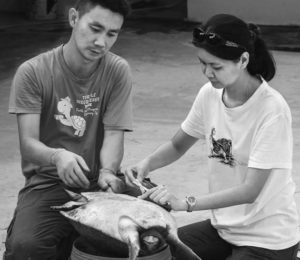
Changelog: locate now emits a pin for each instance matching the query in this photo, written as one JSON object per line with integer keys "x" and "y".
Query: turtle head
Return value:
{"x": 152, "y": 240}
{"x": 141, "y": 241}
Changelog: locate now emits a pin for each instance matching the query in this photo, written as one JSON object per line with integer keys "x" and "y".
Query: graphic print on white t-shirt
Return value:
{"x": 221, "y": 149}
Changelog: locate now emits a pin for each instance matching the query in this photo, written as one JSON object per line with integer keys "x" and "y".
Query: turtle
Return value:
{"x": 122, "y": 222}
{"x": 64, "y": 106}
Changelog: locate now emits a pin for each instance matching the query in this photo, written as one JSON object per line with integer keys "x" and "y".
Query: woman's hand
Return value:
{"x": 138, "y": 171}
{"x": 162, "y": 196}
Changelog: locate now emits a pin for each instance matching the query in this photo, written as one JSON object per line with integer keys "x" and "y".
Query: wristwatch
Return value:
{"x": 191, "y": 202}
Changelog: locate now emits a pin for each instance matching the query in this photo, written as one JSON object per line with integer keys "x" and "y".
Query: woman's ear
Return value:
{"x": 73, "y": 16}
{"x": 244, "y": 59}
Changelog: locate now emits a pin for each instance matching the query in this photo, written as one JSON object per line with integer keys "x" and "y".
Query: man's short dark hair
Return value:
{"x": 117, "y": 6}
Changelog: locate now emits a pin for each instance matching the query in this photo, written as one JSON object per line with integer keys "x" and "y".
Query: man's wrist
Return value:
{"x": 54, "y": 154}
{"x": 108, "y": 170}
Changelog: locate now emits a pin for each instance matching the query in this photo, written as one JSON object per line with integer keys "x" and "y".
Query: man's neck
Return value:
{"x": 76, "y": 63}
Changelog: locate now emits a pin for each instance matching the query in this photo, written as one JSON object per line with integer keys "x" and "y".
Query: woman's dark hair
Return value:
{"x": 239, "y": 37}
{"x": 118, "y": 6}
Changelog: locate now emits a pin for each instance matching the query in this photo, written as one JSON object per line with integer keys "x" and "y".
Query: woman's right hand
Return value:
{"x": 138, "y": 171}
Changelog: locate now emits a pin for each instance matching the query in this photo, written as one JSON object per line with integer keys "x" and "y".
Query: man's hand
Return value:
{"x": 108, "y": 181}
{"x": 70, "y": 168}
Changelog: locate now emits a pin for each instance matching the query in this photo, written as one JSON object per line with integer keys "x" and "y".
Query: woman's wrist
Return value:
{"x": 183, "y": 205}
{"x": 146, "y": 164}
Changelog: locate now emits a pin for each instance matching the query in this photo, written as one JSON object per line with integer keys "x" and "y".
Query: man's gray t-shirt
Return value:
{"x": 74, "y": 111}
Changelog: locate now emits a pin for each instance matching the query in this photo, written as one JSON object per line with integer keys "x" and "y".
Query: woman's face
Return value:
{"x": 221, "y": 73}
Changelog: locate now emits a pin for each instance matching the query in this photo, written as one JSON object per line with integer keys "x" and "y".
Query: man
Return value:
{"x": 73, "y": 105}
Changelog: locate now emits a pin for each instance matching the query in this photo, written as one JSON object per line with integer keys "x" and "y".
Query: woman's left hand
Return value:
{"x": 162, "y": 196}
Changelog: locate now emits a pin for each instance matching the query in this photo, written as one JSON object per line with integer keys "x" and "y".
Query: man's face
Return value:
{"x": 95, "y": 32}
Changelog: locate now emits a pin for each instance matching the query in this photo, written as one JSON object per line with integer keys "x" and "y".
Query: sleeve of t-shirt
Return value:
{"x": 25, "y": 94}
{"x": 118, "y": 114}
{"x": 193, "y": 124}
{"x": 272, "y": 145}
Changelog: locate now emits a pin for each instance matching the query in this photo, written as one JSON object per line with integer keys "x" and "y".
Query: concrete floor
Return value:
{"x": 166, "y": 79}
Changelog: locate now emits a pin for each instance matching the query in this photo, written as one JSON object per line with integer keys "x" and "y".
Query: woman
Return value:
{"x": 247, "y": 128}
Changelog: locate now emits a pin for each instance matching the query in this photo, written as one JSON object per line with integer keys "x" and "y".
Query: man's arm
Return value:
{"x": 29, "y": 134}
{"x": 69, "y": 165}
{"x": 111, "y": 156}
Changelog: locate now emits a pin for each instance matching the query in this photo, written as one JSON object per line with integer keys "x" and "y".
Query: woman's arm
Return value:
{"x": 164, "y": 155}
{"x": 244, "y": 193}
{"x": 170, "y": 151}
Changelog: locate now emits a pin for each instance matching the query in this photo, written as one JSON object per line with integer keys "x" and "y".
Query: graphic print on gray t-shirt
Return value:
{"x": 72, "y": 116}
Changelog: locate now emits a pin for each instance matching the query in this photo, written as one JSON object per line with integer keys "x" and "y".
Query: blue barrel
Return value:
{"x": 76, "y": 254}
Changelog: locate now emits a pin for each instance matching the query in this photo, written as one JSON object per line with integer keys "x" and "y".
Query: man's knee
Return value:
{"x": 26, "y": 247}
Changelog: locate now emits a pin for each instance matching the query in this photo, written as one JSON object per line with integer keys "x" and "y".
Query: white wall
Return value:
{"x": 267, "y": 12}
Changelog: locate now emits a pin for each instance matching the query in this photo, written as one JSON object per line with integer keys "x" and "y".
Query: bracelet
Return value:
{"x": 56, "y": 152}
{"x": 107, "y": 170}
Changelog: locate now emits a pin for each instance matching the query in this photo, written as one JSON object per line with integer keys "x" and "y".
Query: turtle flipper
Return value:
{"x": 77, "y": 200}
{"x": 69, "y": 205}
{"x": 180, "y": 250}
{"x": 77, "y": 196}
{"x": 128, "y": 230}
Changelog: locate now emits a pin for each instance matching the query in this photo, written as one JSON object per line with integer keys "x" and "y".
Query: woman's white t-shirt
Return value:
{"x": 257, "y": 134}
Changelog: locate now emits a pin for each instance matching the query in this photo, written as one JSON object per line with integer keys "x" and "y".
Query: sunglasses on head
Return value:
{"x": 211, "y": 38}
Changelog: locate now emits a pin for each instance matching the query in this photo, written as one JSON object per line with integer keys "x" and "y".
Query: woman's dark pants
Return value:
{"x": 205, "y": 241}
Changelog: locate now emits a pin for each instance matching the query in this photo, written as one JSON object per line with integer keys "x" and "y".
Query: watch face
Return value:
{"x": 191, "y": 199}
{"x": 191, "y": 202}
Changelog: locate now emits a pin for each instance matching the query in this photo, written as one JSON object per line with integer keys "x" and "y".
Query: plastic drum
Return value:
{"x": 76, "y": 254}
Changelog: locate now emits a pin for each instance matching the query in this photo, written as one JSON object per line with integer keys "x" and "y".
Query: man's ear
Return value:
{"x": 244, "y": 59}
{"x": 73, "y": 16}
